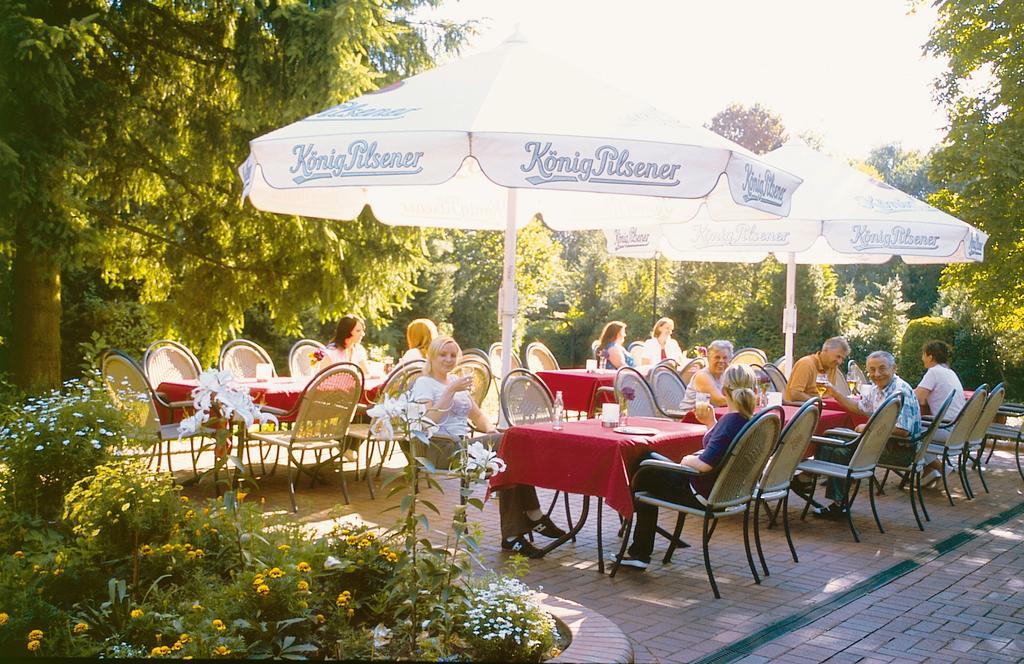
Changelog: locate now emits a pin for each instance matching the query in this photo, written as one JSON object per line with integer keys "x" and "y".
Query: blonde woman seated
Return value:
{"x": 418, "y": 335}
{"x": 450, "y": 406}
{"x": 661, "y": 346}
{"x": 346, "y": 345}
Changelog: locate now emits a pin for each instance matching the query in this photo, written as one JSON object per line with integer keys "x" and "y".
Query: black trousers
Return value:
{"x": 666, "y": 485}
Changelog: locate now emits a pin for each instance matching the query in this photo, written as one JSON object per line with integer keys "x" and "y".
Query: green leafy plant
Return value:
{"x": 503, "y": 622}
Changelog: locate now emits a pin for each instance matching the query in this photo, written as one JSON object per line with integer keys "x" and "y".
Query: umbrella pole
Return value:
{"x": 789, "y": 314}
{"x": 509, "y": 295}
{"x": 654, "y": 308}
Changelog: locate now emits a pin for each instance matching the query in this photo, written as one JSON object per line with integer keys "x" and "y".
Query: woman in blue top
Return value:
{"x": 612, "y": 354}
{"x": 738, "y": 387}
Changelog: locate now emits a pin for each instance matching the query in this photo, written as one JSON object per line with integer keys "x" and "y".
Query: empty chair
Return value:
{"x": 167, "y": 360}
{"x": 494, "y": 354}
{"x": 471, "y": 365}
{"x": 975, "y": 447}
{"x": 783, "y": 366}
{"x": 132, "y": 394}
{"x": 643, "y": 403}
{"x": 905, "y": 457}
{"x": 730, "y": 495}
{"x": 956, "y": 436}
{"x": 482, "y": 354}
{"x": 540, "y": 358}
{"x": 1008, "y": 432}
{"x": 775, "y": 375}
{"x": 749, "y": 356}
{"x": 690, "y": 368}
{"x": 301, "y": 362}
{"x": 525, "y": 399}
{"x": 778, "y": 474}
{"x": 399, "y": 381}
{"x": 668, "y": 387}
{"x": 325, "y": 412}
{"x": 868, "y": 447}
{"x": 855, "y": 373}
{"x": 241, "y": 357}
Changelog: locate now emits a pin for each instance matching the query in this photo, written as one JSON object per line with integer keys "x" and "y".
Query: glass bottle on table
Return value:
{"x": 558, "y": 417}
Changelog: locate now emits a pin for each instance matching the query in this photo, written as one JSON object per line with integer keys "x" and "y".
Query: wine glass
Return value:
{"x": 821, "y": 384}
{"x": 853, "y": 384}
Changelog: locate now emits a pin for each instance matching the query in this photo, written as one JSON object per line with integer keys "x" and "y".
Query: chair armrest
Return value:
{"x": 274, "y": 411}
{"x": 670, "y": 465}
{"x": 833, "y": 442}
{"x": 180, "y": 404}
{"x": 841, "y": 432}
{"x": 603, "y": 389}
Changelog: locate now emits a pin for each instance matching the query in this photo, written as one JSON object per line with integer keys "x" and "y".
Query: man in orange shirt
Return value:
{"x": 800, "y": 386}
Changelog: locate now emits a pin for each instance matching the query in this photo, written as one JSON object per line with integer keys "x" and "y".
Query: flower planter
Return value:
{"x": 594, "y": 637}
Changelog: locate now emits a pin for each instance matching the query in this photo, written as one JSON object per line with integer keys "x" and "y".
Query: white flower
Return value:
{"x": 481, "y": 458}
{"x": 381, "y": 636}
{"x": 190, "y": 425}
{"x": 332, "y": 563}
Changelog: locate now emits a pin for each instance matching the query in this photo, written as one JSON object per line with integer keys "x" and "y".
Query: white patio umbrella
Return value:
{"x": 488, "y": 141}
{"x": 840, "y": 215}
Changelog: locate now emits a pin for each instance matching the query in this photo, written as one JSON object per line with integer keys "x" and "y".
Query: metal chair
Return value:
{"x": 975, "y": 447}
{"x": 482, "y": 354}
{"x": 398, "y": 381}
{"x": 855, "y": 373}
{"x": 690, "y": 368}
{"x": 749, "y": 356}
{"x": 525, "y": 399}
{"x": 166, "y": 360}
{"x": 668, "y": 388}
{"x": 643, "y": 403}
{"x": 781, "y": 363}
{"x": 480, "y": 371}
{"x": 1008, "y": 432}
{"x": 868, "y": 447}
{"x": 132, "y": 394}
{"x": 778, "y": 473}
{"x": 540, "y": 358}
{"x": 957, "y": 435}
{"x": 730, "y": 495}
{"x": 494, "y": 356}
{"x": 300, "y": 365}
{"x": 325, "y": 412}
{"x": 910, "y": 473}
{"x": 241, "y": 356}
{"x": 775, "y": 375}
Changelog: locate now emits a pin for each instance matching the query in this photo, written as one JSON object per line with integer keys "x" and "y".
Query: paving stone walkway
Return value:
{"x": 954, "y": 592}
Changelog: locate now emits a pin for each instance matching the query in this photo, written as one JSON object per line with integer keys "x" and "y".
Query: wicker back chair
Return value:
{"x": 782, "y": 364}
{"x": 667, "y": 386}
{"x": 540, "y": 358}
{"x": 775, "y": 375}
{"x": 643, "y": 403}
{"x": 957, "y": 435}
{"x": 471, "y": 365}
{"x": 300, "y": 364}
{"x": 855, "y": 373}
{"x": 749, "y": 356}
{"x": 525, "y": 399}
{"x": 167, "y": 360}
{"x": 975, "y": 447}
{"x": 494, "y": 353}
{"x": 325, "y": 412}
{"x": 690, "y": 368}
{"x": 241, "y": 356}
{"x": 731, "y": 493}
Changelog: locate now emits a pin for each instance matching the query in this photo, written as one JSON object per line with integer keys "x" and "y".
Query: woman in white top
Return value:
{"x": 418, "y": 335}
{"x": 938, "y": 381}
{"x": 661, "y": 346}
{"x": 450, "y": 406}
{"x": 709, "y": 379}
{"x": 346, "y": 346}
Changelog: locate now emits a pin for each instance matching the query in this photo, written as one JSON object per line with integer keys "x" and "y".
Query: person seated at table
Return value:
{"x": 800, "y": 386}
{"x": 611, "y": 353}
{"x": 449, "y": 405}
{"x": 346, "y": 346}
{"x": 709, "y": 379}
{"x": 881, "y": 371}
{"x": 938, "y": 381}
{"x": 418, "y": 335}
{"x": 661, "y": 346}
{"x": 738, "y": 388}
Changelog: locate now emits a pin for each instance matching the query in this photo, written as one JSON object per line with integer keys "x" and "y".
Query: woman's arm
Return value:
{"x": 616, "y": 357}
{"x": 922, "y": 395}
{"x": 693, "y": 461}
{"x": 703, "y": 383}
{"x": 480, "y": 420}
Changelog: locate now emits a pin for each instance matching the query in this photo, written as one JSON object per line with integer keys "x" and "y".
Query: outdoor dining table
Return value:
{"x": 579, "y": 387}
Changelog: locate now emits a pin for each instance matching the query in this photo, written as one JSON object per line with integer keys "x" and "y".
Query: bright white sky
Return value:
{"x": 852, "y": 72}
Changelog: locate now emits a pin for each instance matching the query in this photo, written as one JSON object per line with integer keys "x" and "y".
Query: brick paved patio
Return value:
{"x": 954, "y": 592}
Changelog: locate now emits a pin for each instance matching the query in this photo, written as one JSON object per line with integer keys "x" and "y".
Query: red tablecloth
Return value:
{"x": 587, "y": 458}
{"x": 830, "y": 418}
{"x": 281, "y": 392}
{"x": 578, "y": 386}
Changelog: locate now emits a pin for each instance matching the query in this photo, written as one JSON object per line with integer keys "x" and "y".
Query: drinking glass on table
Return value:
{"x": 821, "y": 384}
{"x": 701, "y": 404}
{"x": 854, "y": 385}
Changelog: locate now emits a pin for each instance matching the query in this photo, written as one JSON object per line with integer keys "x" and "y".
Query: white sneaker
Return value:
{"x": 635, "y": 563}
{"x": 930, "y": 478}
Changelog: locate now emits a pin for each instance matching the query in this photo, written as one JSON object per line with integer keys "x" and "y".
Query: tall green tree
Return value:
{"x": 981, "y": 161}
{"x": 122, "y": 124}
{"x": 755, "y": 127}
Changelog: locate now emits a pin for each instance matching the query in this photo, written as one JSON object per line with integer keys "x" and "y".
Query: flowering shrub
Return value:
{"x": 49, "y": 442}
{"x": 503, "y": 622}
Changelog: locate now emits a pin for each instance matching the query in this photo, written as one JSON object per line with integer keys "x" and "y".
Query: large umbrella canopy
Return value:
{"x": 840, "y": 215}
{"x": 488, "y": 141}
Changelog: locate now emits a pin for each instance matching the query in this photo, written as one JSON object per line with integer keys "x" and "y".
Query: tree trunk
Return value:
{"x": 35, "y": 347}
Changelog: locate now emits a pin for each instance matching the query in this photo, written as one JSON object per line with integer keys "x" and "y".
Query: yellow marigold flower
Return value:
{"x": 206, "y": 526}
{"x": 221, "y": 651}
{"x": 137, "y": 613}
{"x": 258, "y": 579}
{"x": 36, "y": 568}
{"x": 218, "y": 625}
{"x": 176, "y": 646}
{"x": 197, "y": 607}
{"x": 159, "y": 651}
{"x": 275, "y": 573}
{"x": 167, "y": 548}
{"x": 284, "y": 547}
{"x": 184, "y": 638}
{"x": 80, "y": 628}
{"x": 241, "y": 495}
{"x": 146, "y": 550}
{"x": 303, "y": 586}
{"x": 189, "y": 514}
{"x": 33, "y": 645}
{"x": 344, "y": 531}
{"x": 187, "y": 547}
{"x": 19, "y": 554}
{"x": 344, "y": 598}
{"x": 35, "y": 635}
{"x": 303, "y": 567}
{"x": 303, "y": 604}
{"x": 352, "y": 540}
{"x": 3, "y": 619}
{"x": 183, "y": 499}
{"x": 58, "y": 571}
{"x": 263, "y": 590}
